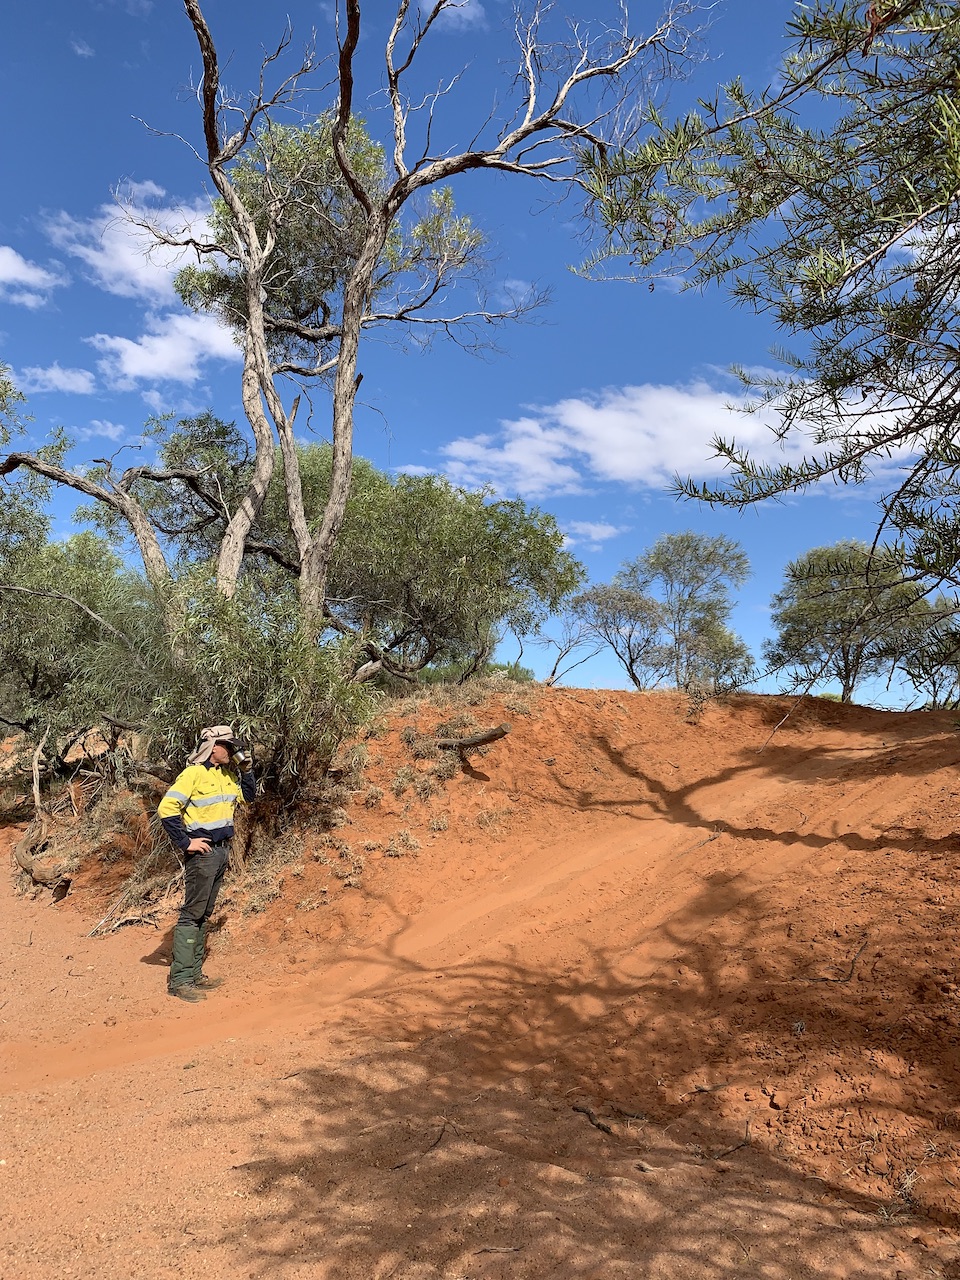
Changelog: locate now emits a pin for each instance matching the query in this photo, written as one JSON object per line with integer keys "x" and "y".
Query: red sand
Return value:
{"x": 663, "y": 1000}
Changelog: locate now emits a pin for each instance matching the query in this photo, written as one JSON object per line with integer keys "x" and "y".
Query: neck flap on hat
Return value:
{"x": 208, "y": 740}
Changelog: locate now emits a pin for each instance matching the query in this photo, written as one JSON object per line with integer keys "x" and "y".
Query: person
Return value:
{"x": 197, "y": 814}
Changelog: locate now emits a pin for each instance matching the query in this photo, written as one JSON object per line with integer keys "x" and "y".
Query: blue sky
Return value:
{"x": 587, "y": 410}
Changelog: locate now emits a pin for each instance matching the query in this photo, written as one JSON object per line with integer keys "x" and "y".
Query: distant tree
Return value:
{"x": 665, "y": 613}
{"x": 844, "y": 613}
{"x": 930, "y": 651}
{"x": 691, "y": 574}
{"x": 631, "y": 624}
{"x": 716, "y": 659}
{"x": 572, "y": 641}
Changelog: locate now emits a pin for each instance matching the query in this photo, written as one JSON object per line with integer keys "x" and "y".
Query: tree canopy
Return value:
{"x": 828, "y": 202}
{"x": 844, "y": 614}
{"x": 666, "y": 612}
{"x": 424, "y": 572}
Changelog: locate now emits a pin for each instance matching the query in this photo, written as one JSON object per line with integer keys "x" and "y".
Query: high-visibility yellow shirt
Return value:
{"x": 201, "y": 802}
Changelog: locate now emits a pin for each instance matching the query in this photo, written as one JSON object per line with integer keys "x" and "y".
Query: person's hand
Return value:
{"x": 198, "y": 845}
{"x": 243, "y": 761}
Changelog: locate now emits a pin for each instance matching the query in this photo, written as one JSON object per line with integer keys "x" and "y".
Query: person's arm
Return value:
{"x": 248, "y": 784}
{"x": 243, "y": 763}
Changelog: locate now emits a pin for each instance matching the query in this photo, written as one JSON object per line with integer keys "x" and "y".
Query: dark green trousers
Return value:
{"x": 203, "y": 875}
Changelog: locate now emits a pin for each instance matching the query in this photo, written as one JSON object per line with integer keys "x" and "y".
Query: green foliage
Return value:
{"x": 289, "y": 181}
{"x": 90, "y": 645}
{"x": 10, "y": 400}
{"x": 829, "y": 202}
{"x": 424, "y": 574}
{"x": 665, "y": 613}
{"x": 930, "y": 651}
{"x": 843, "y": 614}
{"x": 247, "y": 661}
{"x": 211, "y": 460}
{"x": 69, "y": 618}
{"x": 430, "y": 572}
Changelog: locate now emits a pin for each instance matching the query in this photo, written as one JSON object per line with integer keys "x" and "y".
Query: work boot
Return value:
{"x": 185, "y": 939}
{"x": 187, "y": 991}
{"x": 203, "y": 983}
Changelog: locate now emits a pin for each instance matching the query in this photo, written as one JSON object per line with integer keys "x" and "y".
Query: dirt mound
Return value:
{"x": 644, "y": 989}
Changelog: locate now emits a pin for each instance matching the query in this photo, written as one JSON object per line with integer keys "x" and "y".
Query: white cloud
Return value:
{"x": 80, "y": 47}
{"x": 528, "y": 457}
{"x": 637, "y": 435}
{"x": 460, "y": 15}
{"x": 25, "y": 298}
{"x": 122, "y": 255}
{"x": 76, "y": 381}
{"x": 172, "y": 350}
{"x": 99, "y": 428}
{"x": 591, "y": 533}
{"x": 23, "y": 282}
{"x": 154, "y": 400}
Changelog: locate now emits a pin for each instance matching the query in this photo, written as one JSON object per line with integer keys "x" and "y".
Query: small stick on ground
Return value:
{"x": 492, "y": 1248}
{"x": 437, "y": 1140}
{"x": 591, "y": 1116}
{"x": 113, "y": 910}
{"x": 721, "y": 1155}
{"x": 705, "y": 1088}
{"x": 849, "y": 974}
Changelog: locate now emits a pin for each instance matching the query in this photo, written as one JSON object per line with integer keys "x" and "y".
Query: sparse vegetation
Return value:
{"x": 447, "y": 767}
{"x": 401, "y": 843}
{"x": 491, "y": 820}
{"x": 403, "y": 780}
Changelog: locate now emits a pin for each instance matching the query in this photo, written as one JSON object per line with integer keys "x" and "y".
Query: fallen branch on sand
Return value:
{"x": 849, "y": 974}
{"x": 27, "y": 851}
{"x": 476, "y": 740}
{"x": 721, "y": 1155}
{"x": 591, "y": 1116}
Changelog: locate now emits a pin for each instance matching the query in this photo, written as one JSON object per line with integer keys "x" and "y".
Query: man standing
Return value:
{"x": 197, "y": 815}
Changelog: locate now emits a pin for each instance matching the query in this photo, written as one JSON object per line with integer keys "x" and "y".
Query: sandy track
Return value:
{"x": 394, "y": 1094}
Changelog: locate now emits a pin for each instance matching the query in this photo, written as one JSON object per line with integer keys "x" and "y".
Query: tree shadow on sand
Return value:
{"x": 714, "y": 1116}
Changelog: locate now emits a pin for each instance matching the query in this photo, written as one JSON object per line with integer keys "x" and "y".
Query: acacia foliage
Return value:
{"x": 844, "y": 614}
{"x": 423, "y": 573}
{"x": 828, "y": 202}
{"x": 291, "y": 184}
{"x": 666, "y": 613}
{"x": 71, "y": 633}
{"x": 930, "y": 657}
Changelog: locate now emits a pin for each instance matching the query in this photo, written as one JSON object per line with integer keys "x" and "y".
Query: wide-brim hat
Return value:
{"x": 209, "y": 739}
